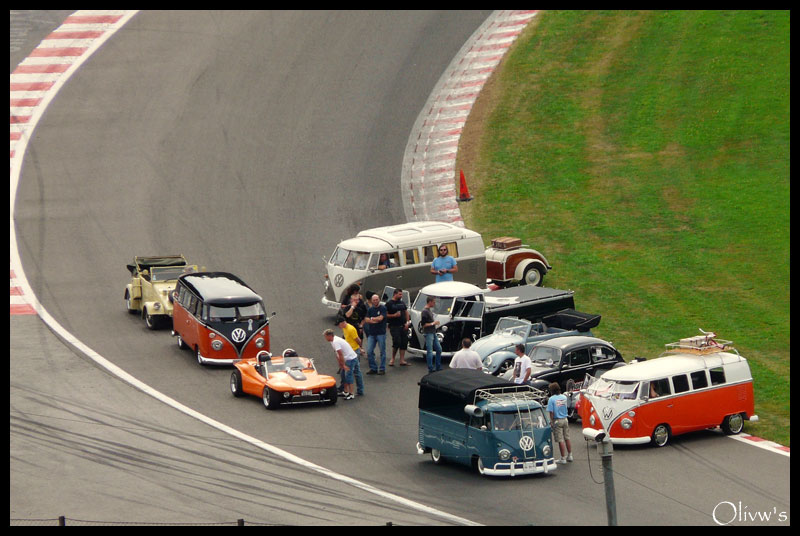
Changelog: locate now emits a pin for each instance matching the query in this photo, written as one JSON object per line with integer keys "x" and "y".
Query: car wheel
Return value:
{"x": 661, "y": 435}
{"x": 150, "y": 321}
{"x": 436, "y": 456}
{"x": 479, "y": 466}
{"x": 733, "y": 424}
{"x": 533, "y": 276}
{"x": 236, "y": 383}
{"x": 332, "y": 396}
{"x": 271, "y": 398}
{"x": 129, "y": 304}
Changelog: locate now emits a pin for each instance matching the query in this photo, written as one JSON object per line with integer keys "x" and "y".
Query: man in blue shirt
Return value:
{"x": 559, "y": 424}
{"x": 444, "y": 266}
{"x": 375, "y": 330}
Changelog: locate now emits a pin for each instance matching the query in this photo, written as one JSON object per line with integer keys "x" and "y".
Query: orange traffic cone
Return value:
{"x": 464, "y": 193}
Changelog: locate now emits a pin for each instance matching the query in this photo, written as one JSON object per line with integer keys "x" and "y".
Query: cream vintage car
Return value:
{"x": 152, "y": 281}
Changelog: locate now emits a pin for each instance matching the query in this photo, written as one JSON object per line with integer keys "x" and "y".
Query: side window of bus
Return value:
{"x": 659, "y": 388}
{"x": 428, "y": 253}
{"x": 193, "y": 305}
{"x": 411, "y": 256}
{"x": 181, "y": 293}
{"x": 394, "y": 259}
{"x": 362, "y": 259}
{"x": 452, "y": 248}
{"x": 699, "y": 379}
{"x": 717, "y": 375}
{"x": 680, "y": 383}
{"x": 384, "y": 260}
{"x": 186, "y": 298}
{"x": 373, "y": 261}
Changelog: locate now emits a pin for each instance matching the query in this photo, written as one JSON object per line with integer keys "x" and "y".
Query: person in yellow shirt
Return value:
{"x": 350, "y": 334}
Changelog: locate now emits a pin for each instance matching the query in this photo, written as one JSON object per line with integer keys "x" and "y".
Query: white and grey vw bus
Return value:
{"x": 400, "y": 256}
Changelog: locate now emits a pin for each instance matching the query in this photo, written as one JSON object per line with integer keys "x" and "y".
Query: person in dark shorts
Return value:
{"x": 399, "y": 320}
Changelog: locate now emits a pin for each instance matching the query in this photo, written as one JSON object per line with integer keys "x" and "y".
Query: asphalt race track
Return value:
{"x": 252, "y": 142}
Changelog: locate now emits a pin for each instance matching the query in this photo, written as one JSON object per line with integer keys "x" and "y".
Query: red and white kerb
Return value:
{"x": 33, "y": 84}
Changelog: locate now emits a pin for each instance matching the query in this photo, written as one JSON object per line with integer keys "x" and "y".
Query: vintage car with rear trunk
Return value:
{"x": 698, "y": 383}
{"x": 508, "y": 260}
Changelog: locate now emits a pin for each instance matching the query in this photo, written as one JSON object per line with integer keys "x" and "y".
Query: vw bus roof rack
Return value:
{"x": 707, "y": 343}
{"x": 516, "y": 393}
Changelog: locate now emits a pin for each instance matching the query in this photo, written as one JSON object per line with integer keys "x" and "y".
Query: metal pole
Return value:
{"x": 608, "y": 480}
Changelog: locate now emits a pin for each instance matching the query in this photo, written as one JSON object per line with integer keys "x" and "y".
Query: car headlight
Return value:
{"x": 504, "y": 454}
{"x": 156, "y": 306}
{"x": 260, "y": 343}
{"x": 216, "y": 344}
{"x": 592, "y": 420}
{"x": 546, "y": 450}
{"x": 444, "y": 329}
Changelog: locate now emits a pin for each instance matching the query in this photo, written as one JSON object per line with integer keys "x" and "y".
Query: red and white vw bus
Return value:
{"x": 698, "y": 383}
{"x": 219, "y": 317}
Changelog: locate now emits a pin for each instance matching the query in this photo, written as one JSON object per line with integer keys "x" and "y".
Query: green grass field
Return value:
{"x": 646, "y": 155}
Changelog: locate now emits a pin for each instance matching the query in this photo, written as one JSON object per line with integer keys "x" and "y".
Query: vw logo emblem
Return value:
{"x": 238, "y": 335}
{"x": 526, "y": 443}
{"x": 338, "y": 280}
{"x": 607, "y": 413}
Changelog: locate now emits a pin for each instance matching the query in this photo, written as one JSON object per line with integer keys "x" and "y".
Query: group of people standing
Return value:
{"x": 361, "y": 323}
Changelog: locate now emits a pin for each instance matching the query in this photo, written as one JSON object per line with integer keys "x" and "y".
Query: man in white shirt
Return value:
{"x": 348, "y": 361}
{"x": 466, "y": 358}
{"x": 522, "y": 365}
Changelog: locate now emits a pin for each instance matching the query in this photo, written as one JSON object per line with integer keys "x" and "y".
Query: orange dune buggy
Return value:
{"x": 284, "y": 379}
